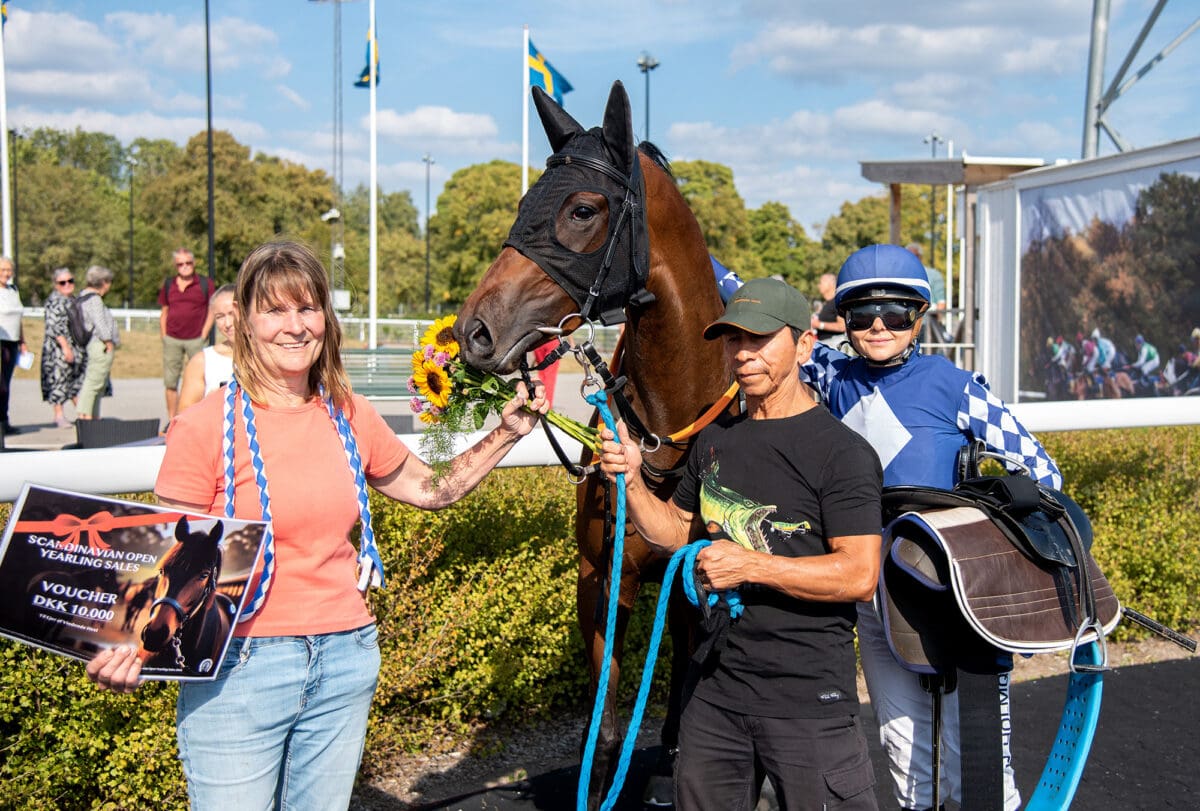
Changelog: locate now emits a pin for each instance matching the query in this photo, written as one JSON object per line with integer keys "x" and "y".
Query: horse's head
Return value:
{"x": 578, "y": 244}
{"x": 186, "y": 583}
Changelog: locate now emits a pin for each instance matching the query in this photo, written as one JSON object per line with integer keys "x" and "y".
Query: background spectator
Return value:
{"x": 213, "y": 367}
{"x": 62, "y": 360}
{"x": 12, "y": 338}
{"x": 184, "y": 322}
{"x": 103, "y": 344}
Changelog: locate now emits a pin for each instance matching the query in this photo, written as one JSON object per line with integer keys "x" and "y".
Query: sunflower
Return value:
{"x": 432, "y": 382}
{"x": 440, "y": 336}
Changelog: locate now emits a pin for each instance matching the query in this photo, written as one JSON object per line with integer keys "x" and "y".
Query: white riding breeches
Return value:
{"x": 904, "y": 710}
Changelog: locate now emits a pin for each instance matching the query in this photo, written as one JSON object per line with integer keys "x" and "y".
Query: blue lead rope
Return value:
{"x": 600, "y": 401}
{"x": 685, "y": 556}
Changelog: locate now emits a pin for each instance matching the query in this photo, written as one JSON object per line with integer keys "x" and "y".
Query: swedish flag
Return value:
{"x": 542, "y": 74}
{"x": 364, "y": 78}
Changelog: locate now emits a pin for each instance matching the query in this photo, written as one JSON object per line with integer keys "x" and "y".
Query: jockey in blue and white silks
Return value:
{"x": 917, "y": 411}
{"x": 918, "y": 414}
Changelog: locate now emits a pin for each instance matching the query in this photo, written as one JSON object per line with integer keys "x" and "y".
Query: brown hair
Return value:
{"x": 273, "y": 273}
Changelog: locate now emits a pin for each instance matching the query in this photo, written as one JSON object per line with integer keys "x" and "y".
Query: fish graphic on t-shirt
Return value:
{"x": 729, "y": 514}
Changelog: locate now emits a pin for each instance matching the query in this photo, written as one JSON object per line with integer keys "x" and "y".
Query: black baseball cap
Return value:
{"x": 762, "y": 306}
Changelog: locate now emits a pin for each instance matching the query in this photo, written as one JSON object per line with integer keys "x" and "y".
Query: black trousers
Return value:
{"x": 8, "y": 364}
{"x": 813, "y": 763}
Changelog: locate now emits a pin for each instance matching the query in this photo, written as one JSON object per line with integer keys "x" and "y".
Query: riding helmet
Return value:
{"x": 881, "y": 272}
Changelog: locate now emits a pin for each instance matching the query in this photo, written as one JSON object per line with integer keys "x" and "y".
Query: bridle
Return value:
{"x": 597, "y": 375}
{"x": 184, "y": 616}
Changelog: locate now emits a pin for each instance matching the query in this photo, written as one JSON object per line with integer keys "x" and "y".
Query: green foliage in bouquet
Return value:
{"x": 455, "y": 398}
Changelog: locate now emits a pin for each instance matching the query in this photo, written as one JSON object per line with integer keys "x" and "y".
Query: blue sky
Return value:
{"x": 791, "y": 94}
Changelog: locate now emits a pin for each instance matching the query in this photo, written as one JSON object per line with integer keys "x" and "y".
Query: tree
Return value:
{"x": 856, "y": 225}
{"x": 253, "y": 201}
{"x": 401, "y": 252}
{"x": 781, "y": 245}
{"x": 69, "y": 217}
{"x": 475, "y": 210}
{"x": 867, "y": 222}
{"x": 710, "y": 193}
{"x": 90, "y": 151}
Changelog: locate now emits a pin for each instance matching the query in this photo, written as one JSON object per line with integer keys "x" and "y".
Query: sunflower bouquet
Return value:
{"x": 453, "y": 398}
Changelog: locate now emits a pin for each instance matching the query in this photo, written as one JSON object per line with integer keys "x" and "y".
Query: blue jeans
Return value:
{"x": 283, "y": 724}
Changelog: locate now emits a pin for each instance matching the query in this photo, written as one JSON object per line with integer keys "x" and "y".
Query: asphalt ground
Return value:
{"x": 1146, "y": 752}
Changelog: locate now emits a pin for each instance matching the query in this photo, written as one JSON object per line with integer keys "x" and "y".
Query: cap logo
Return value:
{"x": 740, "y": 299}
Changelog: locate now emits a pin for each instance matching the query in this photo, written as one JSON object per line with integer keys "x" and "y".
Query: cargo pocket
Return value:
{"x": 852, "y": 786}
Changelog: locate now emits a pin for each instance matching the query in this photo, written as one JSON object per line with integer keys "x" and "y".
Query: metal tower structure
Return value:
{"x": 1097, "y": 104}
{"x": 335, "y": 216}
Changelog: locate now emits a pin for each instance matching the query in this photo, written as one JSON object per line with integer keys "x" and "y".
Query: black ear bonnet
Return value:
{"x": 602, "y": 160}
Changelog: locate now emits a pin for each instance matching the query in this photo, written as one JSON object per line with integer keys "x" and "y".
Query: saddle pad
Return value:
{"x": 1012, "y": 602}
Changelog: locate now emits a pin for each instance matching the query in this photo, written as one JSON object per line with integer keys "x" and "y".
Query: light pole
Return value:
{"x": 647, "y": 63}
{"x": 428, "y": 163}
{"x": 132, "y": 161}
{"x": 16, "y": 257}
{"x": 933, "y": 139}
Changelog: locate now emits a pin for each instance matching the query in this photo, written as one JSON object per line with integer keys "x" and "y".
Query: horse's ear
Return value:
{"x": 181, "y": 528}
{"x": 214, "y": 534}
{"x": 618, "y": 126}
{"x": 559, "y": 125}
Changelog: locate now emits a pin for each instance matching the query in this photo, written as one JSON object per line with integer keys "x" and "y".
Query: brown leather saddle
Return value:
{"x": 998, "y": 565}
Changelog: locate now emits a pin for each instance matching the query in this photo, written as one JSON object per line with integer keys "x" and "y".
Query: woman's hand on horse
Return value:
{"x": 521, "y": 413}
{"x": 624, "y": 457}
{"x": 118, "y": 669}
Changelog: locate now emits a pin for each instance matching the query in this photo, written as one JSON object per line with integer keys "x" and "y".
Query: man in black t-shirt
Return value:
{"x": 790, "y": 499}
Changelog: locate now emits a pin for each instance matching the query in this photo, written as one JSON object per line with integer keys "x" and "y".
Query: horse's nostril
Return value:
{"x": 479, "y": 338}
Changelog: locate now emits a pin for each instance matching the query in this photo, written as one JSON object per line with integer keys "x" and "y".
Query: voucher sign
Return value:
{"x": 80, "y": 574}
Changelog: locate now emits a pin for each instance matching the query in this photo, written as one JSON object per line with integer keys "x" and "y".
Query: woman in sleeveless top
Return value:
{"x": 213, "y": 367}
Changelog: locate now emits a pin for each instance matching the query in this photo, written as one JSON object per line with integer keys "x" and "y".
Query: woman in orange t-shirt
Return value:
{"x": 285, "y": 719}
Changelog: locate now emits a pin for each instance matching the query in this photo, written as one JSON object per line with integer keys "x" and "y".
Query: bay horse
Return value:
{"x": 606, "y": 230}
{"x": 189, "y": 620}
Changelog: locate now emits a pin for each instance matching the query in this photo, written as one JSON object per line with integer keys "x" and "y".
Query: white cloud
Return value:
{"x": 95, "y": 88}
{"x": 820, "y": 51}
{"x": 161, "y": 39}
{"x": 879, "y": 117}
{"x": 295, "y": 98}
{"x": 435, "y": 122}
{"x": 37, "y": 39}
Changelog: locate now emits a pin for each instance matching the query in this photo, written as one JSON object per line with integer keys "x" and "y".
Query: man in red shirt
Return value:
{"x": 184, "y": 322}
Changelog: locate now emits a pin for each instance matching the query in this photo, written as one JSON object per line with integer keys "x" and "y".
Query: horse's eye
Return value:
{"x": 583, "y": 213}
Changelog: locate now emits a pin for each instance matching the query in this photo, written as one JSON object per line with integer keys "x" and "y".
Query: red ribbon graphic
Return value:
{"x": 71, "y": 527}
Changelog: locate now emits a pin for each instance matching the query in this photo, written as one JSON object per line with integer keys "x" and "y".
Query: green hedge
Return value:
{"x": 478, "y": 630}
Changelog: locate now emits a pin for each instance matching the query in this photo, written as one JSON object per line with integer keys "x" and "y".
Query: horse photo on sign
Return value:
{"x": 606, "y": 235}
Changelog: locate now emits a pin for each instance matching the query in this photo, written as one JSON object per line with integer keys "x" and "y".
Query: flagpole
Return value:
{"x": 5, "y": 200}
{"x": 373, "y": 276}
{"x": 525, "y": 114}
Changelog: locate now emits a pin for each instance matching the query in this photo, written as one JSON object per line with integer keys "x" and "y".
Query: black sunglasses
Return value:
{"x": 895, "y": 315}
{"x": 62, "y": 282}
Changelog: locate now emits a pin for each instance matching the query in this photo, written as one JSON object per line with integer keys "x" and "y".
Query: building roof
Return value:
{"x": 965, "y": 170}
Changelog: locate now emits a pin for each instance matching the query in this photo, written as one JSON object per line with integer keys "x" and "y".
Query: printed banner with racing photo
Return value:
{"x": 80, "y": 574}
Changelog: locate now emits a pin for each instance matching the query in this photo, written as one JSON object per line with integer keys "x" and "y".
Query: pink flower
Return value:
{"x": 429, "y": 351}
{"x": 412, "y": 386}
{"x": 441, "y": 358}
{"x": 417, "y": 405}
